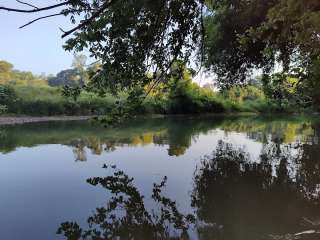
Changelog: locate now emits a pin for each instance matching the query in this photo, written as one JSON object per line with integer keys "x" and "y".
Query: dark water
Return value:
{"x": 227, "y": 178}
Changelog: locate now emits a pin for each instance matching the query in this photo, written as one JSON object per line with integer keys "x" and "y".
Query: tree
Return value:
{"x": 244, "y": 35}
{"x": 5, "y": 71}
{"x": 290, "y": 33}
{"x": 69, "y": 77}
{"x": 5, "y": 67}
{"x": 75, "y": 77}
{"x": 130, "y": 37}
{"x": 9, "y": 75}
{"x": 7, "y": 98}
{"x": 222, "y": 49}
{"x": 79, "y": 63}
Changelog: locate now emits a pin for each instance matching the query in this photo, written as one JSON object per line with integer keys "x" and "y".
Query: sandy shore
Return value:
{"x": 21, "y": 120}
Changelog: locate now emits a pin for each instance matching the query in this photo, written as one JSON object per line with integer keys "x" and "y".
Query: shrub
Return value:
{"x": 7, "y": 95}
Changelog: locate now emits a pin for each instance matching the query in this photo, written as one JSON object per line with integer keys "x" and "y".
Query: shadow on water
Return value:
{"x": 234, "y": 197}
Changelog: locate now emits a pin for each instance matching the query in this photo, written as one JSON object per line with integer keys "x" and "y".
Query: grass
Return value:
{"x": 38, "y": 93}
{"x": 45, "y": 100}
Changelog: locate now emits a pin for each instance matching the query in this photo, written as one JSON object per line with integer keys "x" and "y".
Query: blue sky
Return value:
{"x": 38, "y": 47}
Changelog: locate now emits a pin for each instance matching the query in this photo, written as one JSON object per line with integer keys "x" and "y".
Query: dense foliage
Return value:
{"x": 134, "y": 37}
{"x": 278, "y": 35}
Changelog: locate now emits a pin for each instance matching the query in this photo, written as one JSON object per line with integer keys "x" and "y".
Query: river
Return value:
{"x": 230, "y": 178}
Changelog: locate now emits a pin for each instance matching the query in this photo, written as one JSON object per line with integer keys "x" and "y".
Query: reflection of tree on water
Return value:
{"x": 2, "y": 133}
{"x": 235, "y": 198}
{"x": 179, "y": 133}
{"x": 309, "y": 171}
{"x": 79, "y": 153}
{"x": 126, "y": 217}
{"x": 252, "y": 200}
{"x": 93, "y": 143}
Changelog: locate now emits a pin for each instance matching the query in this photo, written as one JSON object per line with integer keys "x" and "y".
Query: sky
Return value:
{"x": 38, "y": 47}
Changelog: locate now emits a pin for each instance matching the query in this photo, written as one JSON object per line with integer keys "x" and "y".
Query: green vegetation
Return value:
{"x": 181, "y": 95}
{"x": 27, "y": 94}
{"x": 34, "y": 96}
{"x": 33, "y": 100}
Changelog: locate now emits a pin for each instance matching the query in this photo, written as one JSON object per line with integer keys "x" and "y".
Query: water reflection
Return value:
{"x": 261, "y": 182}
{"x": 177, "y": 133}
{"x": 235, "y": 197}
{"x": 125, "y": 215}
{"x": 266, "y": 199}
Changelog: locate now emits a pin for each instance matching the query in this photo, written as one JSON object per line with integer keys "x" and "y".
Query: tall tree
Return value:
{"x": 69, "y": 77}
{"x": 79, "y": 64}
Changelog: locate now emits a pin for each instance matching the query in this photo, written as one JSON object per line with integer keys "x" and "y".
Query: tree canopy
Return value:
{"x": 232, "y": 38}
{"x": 130, "y": 37}
{"x": 257, "y": 34}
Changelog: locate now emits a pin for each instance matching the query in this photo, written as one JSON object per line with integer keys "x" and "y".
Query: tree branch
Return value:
{"x": 37, "y": 19}
{"x": 34, "y": 10}
{"x": 28, "y": 4}
{"x": 89, "y": 20}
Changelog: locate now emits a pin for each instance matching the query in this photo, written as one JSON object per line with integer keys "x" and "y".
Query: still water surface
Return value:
{"x": 230, "y": 178}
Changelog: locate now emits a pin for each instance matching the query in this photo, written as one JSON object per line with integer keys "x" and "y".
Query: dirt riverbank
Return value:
{"x": 7, "y": 120}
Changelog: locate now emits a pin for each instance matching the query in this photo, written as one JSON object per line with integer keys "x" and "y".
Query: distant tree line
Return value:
{"x": 77, "y": 75}
{"x": 8, "y": 75}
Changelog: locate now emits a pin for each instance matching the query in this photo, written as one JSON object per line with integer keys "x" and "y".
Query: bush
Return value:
{"x": 49, "y": 108}
{"x": 7, "y": 95}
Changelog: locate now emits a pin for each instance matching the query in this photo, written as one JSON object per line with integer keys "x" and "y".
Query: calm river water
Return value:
{"x": 229, "y": 178}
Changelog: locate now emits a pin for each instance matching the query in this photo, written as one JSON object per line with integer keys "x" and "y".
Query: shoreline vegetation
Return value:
{"x": 33, "y": 102}
{"x": 25, "y": 94}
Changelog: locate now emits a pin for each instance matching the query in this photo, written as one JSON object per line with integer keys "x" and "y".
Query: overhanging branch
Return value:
{"x": 28, "y": 4}
{"x": 89, "y": 20}
{"x": 35, "y": 9}
{"x": 37, "y": 19}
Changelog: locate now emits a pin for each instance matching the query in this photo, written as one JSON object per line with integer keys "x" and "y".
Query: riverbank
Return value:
{"x": 7, "y": 120}
{"x": 12, "y": 120}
